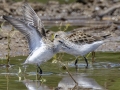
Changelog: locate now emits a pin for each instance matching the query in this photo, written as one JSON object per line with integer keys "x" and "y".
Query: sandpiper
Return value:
{"x": 79, "y": 43}
{"x": 41, "y": 48}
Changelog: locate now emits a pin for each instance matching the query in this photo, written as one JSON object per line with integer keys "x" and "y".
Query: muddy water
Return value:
{"x": 102, "y": 74}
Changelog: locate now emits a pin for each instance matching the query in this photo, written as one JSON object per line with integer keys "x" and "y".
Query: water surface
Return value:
{"x": 102, "y": 74}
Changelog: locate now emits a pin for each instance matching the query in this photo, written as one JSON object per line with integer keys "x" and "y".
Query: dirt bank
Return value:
{"x": 96, "y": 17}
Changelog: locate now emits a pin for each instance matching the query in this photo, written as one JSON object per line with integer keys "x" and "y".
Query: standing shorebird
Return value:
{"x": 41, "y": 48}
{"x": 79, "y": 43}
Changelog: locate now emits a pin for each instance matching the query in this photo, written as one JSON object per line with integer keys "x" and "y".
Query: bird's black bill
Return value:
{"x": 64, "y": 44}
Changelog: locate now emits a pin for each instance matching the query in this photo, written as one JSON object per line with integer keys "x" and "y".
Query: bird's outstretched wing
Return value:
{"x": 31, "y": 33}
{"x": 32, "y": 18}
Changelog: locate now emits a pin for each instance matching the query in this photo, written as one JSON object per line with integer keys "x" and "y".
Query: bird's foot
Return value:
{"x": 76, "y": 67}
{"x": 39, "y": 70}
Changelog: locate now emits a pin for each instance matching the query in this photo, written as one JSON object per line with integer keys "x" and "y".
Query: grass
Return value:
{"x": 56, "y": 28}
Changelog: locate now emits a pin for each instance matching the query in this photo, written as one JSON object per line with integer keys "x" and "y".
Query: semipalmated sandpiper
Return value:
{"x": 41, "y": 48}
{"x": 79, "y": 43}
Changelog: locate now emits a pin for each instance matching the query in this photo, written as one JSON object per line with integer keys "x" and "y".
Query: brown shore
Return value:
{"x": 90, "y": 15}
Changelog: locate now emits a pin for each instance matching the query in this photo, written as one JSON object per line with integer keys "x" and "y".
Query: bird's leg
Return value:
{"x": 93, "y": 55}
{"x": 39, "y": 73}
{"x": 86, "y": 62}
{"x": 76, "y": 66}
{"x": 39, "y": 70}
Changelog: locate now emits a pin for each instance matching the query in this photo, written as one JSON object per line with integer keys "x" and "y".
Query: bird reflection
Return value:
{"x": 34, "y": 85}
{"x": 84, "y": 83}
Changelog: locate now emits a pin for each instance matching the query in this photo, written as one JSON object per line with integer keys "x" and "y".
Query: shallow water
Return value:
{"x": 101, "y": 75}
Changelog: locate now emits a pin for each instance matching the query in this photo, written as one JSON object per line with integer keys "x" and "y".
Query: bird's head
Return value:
{"x": 59, "y": 34}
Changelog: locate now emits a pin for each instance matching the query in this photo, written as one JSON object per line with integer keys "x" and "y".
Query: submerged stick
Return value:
{"x": 69, "y": 73}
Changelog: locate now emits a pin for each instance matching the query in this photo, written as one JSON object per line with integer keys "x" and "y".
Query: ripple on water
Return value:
{"x": 9, "y": 66}
{"x": 12, "y": 74}
{"x": 43, "y": 74}
{"x": 97, "y": 65}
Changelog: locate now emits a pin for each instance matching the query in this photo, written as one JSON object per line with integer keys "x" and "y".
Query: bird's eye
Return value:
{"x": 56, "y": 36}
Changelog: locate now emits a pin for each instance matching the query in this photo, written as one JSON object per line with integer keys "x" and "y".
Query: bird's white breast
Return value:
{"x": 77, "y": 50}
{"x": 39, "y": 55}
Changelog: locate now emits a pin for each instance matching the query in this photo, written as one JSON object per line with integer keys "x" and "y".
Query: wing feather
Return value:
{"x": 32, "y": 18}
{"x": 81, "y": 38}
{"x": 33, "y": 36}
